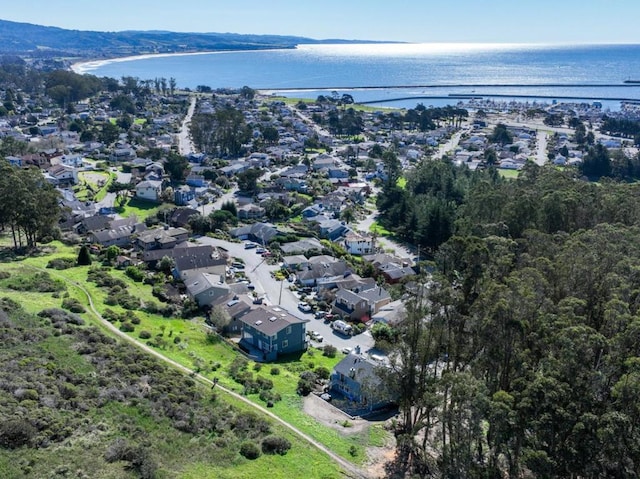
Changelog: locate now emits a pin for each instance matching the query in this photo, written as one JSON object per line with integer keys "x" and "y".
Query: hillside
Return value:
{"x": 76, "y": 402}
{"x": 37, "y": 40}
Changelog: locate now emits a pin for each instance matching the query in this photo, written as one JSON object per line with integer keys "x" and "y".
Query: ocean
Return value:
{"x": 404, "y": 75}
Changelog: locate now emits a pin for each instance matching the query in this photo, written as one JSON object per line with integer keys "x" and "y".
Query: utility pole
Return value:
{"x": 280, "y": 297}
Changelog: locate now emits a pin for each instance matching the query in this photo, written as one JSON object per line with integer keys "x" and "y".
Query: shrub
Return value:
{"x": 15, "y": 433}
{"x": 329, "y": 351}
{"x": 322, "y": 372}
{"x": 60, "y": 316}
{"x": 250, "y": 450}
{"x": 127, "y": 327}
{"x": 144, "y": 335}
{"x": 73, "y": 305}
{"x": 134, "y": 273}
{"x": 275, "y": 445}
{"x": 306, "y": 383}
{"x": 275, "y": 371}
{"x": 61, "y": 263}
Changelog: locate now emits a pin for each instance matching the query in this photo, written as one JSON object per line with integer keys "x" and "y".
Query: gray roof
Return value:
{"x": 358, "y": 368}
{"x": 270, "y": 320}
{"x": 197, "y": 257}
{"x": 203, "y": 281}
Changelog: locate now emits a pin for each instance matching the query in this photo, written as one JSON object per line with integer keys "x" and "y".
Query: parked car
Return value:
{"x": 347, "y": 350}
{"x": 342, "y": 327}
{"x": 304, "y": 307}
{"x": 250, "y": 245}
{"x": 320, "y": 314}
{"x": 316, "y": 336}
{"x": 260, "y": 250}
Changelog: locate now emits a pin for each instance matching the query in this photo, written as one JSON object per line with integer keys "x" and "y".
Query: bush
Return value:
{"x": 144, "y": 335}
{"x": 73, "y": 305}
{"x": 134, "y": 273}
{"x": 61, "y": 263}
{"x": 306, "y": 383}
{"x": 60, "y": 316}
{"x": 275, "y": 371}
{"x": 15, "y": 433}
{"x": 329, "y": 351}
{"x": 127, "y": 327}
{"x": 275, "y": 445}
{"x": 322, "y": 372}
{"x": 250, "y": 450}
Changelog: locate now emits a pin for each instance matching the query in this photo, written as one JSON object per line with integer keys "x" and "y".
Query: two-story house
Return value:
{"x": 360, "y": 305}
{"x": 149, "y": 190}
{"x": 271, "y": 332}
{"x": 359, "y": 380}
{"x": 358, "y": 244}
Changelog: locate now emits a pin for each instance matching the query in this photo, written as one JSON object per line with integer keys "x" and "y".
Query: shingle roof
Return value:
{"x": 270, "y": 320}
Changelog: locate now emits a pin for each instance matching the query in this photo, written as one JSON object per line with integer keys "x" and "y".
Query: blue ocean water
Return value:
{"x": 375, "y": 72}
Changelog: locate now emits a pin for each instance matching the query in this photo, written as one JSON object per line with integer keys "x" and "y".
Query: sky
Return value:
{"x": 419, "y": 21}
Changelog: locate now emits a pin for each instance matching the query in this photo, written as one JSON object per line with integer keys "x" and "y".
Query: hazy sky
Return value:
{"x": 505, "y": 21}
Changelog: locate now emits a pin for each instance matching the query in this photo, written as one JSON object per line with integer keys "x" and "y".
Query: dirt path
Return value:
{"x": 351, "y": 469}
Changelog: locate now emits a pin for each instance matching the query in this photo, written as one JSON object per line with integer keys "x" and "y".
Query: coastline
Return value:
{"x": 87, "y": 66}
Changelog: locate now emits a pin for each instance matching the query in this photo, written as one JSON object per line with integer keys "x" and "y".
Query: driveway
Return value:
{"x": 277, "y": 293}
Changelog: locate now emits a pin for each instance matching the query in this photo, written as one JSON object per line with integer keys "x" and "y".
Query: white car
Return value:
{"x": 304, "y": 307}
{"x": 316, "y": 336}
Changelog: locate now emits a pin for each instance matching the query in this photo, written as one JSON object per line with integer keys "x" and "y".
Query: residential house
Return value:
{"x": 259, "y": 232}
{"x": 161, "y": 238}
{"x": 358, "y": 379}
{"x": 330, "y": 228}
{"x": 302, "y": 246}
{"x": 358, "y": 244}
{"x": 180, "y": 217}
{"x": 360, "y": 305}
{"x": 149, "y": 190}
{"x": 195, "y": 180}
{"x": 251, "y": 212}
{"x": 323, "y": 271}
{"x": 63, "y": 175}
{"x": 117, "y": 235}
{"x": 392, "y": 313}
{"x": 394, "y": 272}
{"x": 204, "y": 258}
{"x": 205, "y": 288}
{"x": 272, "y": 332}
{"x": 183, "y": 195}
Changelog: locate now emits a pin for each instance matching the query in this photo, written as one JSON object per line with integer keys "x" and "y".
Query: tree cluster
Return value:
{"x": 30, "y": 206}
{"x": 521, "y": 356}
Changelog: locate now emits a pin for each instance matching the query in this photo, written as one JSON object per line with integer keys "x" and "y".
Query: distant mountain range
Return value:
{"x": 39, "y": 41}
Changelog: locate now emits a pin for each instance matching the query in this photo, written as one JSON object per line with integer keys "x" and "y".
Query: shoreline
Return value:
{"x": 87, "y": 66}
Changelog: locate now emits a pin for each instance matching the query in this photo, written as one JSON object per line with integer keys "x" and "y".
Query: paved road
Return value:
{"x": 349, "y": 467}
{"x": 185, "y": 145}
{"x": 275, "y": 292}
{"x": 541, "y": 140}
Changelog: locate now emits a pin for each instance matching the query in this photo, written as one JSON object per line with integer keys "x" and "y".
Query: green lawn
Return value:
{"x": 140, "y": 208}
{"x": 511, "y": 174}
{"x": 402, "y": 182}
{"x": 379, "y": 229}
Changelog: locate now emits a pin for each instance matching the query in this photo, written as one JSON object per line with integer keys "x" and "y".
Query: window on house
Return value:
{"x": 288, "y": 329}
{"x": 285, "y": 344}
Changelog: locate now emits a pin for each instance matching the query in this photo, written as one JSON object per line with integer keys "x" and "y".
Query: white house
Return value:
{"x": 149, "y": 190}
{"x": 357, "y": 244}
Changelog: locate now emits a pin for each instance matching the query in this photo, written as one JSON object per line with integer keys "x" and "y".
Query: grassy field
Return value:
{"x": 86, "y": 375}
{"x": 209, "y": 355}
{"x": 93, "y": 185}
{"x": 140, "y": 208}
{"x": 379, "y": 229}
{"x": 511, "y": 174}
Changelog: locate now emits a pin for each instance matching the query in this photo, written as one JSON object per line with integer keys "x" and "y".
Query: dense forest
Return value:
{"x": 521, "y": 358}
